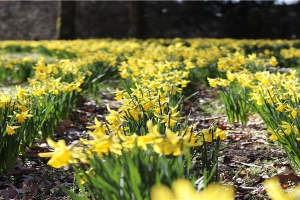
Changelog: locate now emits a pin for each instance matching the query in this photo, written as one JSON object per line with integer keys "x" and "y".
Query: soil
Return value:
{"x": 247, "y": 157}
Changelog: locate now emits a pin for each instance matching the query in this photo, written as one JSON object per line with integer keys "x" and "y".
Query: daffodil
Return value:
{"x": 273, "y": 61}
{"x": 128, "y": 142}
{"x": 213, "y": 133}
{"x": 172, "y": 118}
{"x": 11, "y": 129}
{"x": 182, "y": 189}
{"x": 134, "y": 113}
{"x": 294, "y": 111}
{"x": 62, "y": 155}
{"x": 98, "y": 127}
{"x": 120, "y": 94}
{"x": 104, "y": 145}
{"x": 288, "y": 128}
{"x": 280, "y": 107}
{"x": 151, "y": 137}
{"x": 213, "y": 82}
{"x": 5, "y": 100}
{"x": 276, "y": 192}
{"x": 114, "y": 117}
{"x": 174, "y": 144}
{"x": 220, "y": 133}
{"x": 21, "y": 92}
{"x": 22, "y": 116}
{"x": 273, "y": 137}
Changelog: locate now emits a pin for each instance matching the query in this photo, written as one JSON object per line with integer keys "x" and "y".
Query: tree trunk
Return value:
{"x": 136, "y": 19}
{"x": 65, "y": 24}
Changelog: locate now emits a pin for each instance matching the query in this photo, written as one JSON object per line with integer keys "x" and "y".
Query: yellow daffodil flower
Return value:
{"x": 294, "y": 111}
{"x": 62, "y": 155}
{"x": 280, "y": 107}
{"x": 213, "y": 133}
{"x": 213, "y": 82}
{"x": 276, "y": 192}
{"x": 5, "y": 100}
{"x": 104, "y": 145}
{"x": 22, "y": 116}
{"x": 182, "y": 189}
{"x": 11, "y": 129}
{"x": 98, "y": 127}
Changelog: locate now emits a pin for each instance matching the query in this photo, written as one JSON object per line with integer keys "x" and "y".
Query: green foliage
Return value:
{"x": 129, "y": 176}
{"x": 236, "y": 107}
{"x": 282, "y": 125}
{"x": 11, "y": 73}
{"x": 209, "y": 160}
{"x": 10, "y": 145}
{"x": 101, "y": 71}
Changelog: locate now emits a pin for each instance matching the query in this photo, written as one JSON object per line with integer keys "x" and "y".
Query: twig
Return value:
{"x": 250, "y": 165}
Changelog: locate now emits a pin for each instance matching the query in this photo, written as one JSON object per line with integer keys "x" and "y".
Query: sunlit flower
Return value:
{"x": 213, "y": 82}
{"x": 5, "y": 100}
{"x": 276, "y": 192}
{"x": 280, "y": 107}
{"x": 62, "y": 155}
{"x": 183, "y": 189}
{"x": 22, "y": 116}
{"x": 11, "y": 129}
{"x": 98, "y": 127}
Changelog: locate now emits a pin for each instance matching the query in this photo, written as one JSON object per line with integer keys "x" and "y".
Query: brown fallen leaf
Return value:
{"x": 240, "y": 158}
{"x": 29, "y": 192}
{"x": 288, "y": 180}
{"x": 9, "y": 193}
{"x": 243, "y": 172}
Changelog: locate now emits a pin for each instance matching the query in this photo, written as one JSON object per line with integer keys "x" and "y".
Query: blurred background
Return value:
{"x": 37, "y": 20}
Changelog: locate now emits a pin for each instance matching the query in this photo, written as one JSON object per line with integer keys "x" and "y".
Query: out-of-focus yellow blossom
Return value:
{"x": 21, "y": 92}
{"x": 114, "y": 118}
{"x": 280, "y": 107}
{"x": 294, "y": 111}
{"x": 174, "y": 144}
{"x": 273, "y": 61}
{"x": 183, "y": 83}
{"x": 252, "y": 57}
{"x": 151, "y": 137}
{"x": 24, "y": 108}
{"x": 273, "y": 137}
{"x": 276, "y": 192}
{"x": 22, "y": 116}
{"x": 182, "y": 189}
{"x": 98, "y": 127}
{"x": 147, "y": 104}
{"x": 104, "y": 144}
{"x": 213, "y": 133}
{"x": 256, "y": 97}
{"x": 120, "y": 94}
{"x": 89, "y": 73}
{"x": 170, "y": 119}
{"x": 128, "y": 142}
{"x": 11, "y": 129}
{"x": 5, "y": 100}
{"x": 230, "y": 76}
{"x": 62, "y": 155}
{"x": 288, "y": 128}
{"x": 134, "y": 113}
{"x": 212, "y": 82}
{"x": 292, "y": 74}
{"x": 223, "y": 82}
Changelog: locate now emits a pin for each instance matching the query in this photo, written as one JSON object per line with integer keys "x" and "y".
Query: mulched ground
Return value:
{"x": 247, "y": 157}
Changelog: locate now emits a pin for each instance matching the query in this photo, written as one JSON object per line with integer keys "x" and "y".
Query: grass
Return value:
{"x": 213, "y": 107}
{"x": 34, "y": 56}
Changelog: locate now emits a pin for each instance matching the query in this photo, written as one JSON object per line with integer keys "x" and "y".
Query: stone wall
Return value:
{"x": 27, "y": 20}
{"x": 36, "y": 20}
